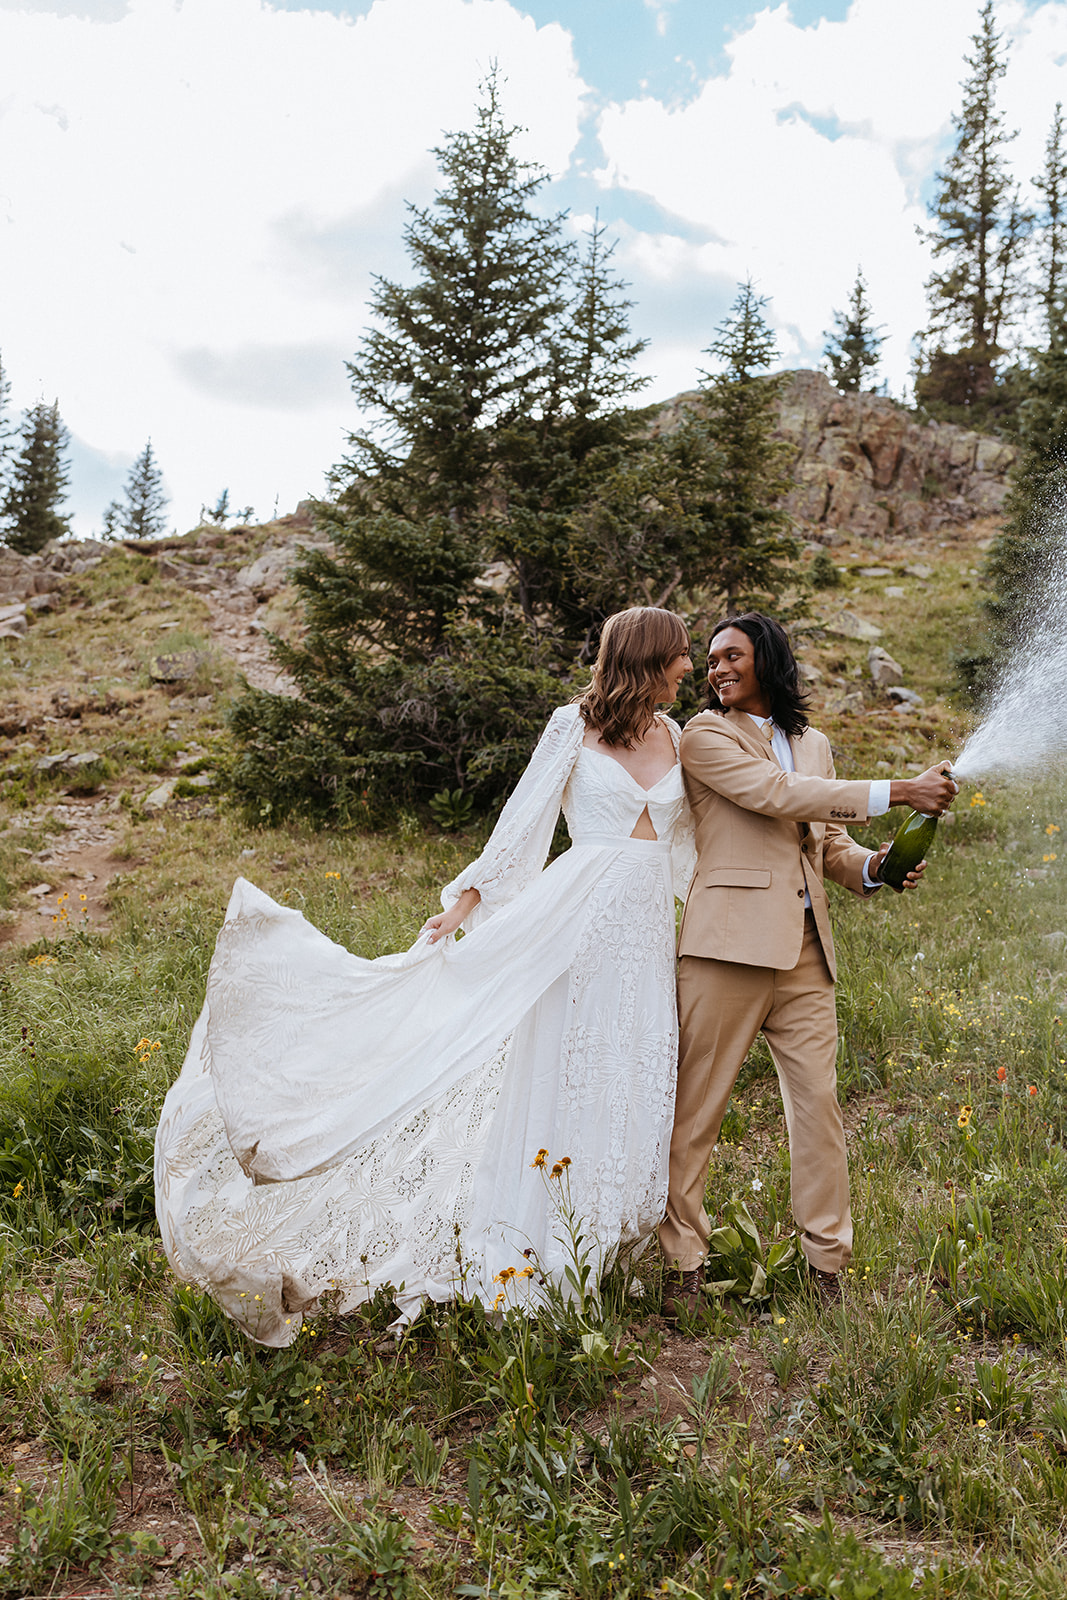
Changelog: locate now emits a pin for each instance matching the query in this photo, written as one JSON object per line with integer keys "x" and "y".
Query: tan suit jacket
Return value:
{"x": 763, "y": 837}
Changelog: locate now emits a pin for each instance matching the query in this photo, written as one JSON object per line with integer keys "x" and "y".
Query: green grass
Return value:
{"x": 915, "y": 1445}
{"x": 923, "y": 1432}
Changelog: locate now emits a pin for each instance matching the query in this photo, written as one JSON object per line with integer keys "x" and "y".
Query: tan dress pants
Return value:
{"x": 722, "y": 1006}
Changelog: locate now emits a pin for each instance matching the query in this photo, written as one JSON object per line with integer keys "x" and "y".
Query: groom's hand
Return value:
{"x": 874, "y": 867}
{"x": 932, "y": 792}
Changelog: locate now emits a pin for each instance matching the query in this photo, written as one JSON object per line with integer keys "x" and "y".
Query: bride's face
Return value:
{"x": 673, "y": 674}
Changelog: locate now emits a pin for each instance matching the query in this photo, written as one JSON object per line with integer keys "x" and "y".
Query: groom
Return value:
{"x": 756, "y": 951}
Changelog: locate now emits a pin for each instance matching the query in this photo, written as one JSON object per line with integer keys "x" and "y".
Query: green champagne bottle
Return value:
{"x": 910, "y": 843}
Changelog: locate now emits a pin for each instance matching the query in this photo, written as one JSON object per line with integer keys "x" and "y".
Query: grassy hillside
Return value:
{"x": 915, "y": 1444}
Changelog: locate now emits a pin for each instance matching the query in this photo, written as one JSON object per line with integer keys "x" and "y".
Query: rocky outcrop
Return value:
{"x": 269, "y": 572}
{"x": 25, "y": 578}
{"x": 864, "y": 466}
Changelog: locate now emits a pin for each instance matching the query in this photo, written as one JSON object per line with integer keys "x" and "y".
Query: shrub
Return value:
{"x": 387, "y": 733}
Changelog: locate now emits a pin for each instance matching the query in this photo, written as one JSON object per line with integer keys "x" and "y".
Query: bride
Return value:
{"x": 342, "y": 1124}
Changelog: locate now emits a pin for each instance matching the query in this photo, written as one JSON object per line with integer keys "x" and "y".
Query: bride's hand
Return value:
{"x": 447, "y": 922}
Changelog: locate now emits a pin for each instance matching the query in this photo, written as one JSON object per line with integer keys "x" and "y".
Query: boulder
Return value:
{"x": 851, "y": 703}
{"x": 847, "y": 625}
{"x": 176, "y": 667}
{"x": 883, "y": 669}
{"x": 69, "y": 760}
{"x": 269, "y": 572}
{"x": 158, "y": 798}
{"x": 904, "y": 697}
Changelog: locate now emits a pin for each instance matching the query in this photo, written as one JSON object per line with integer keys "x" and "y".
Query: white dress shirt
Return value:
{"x": 877, "y": 805}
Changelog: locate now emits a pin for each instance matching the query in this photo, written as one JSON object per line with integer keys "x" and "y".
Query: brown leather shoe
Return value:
{"x": 682, "y": 1293}
{"x": 828, "y": 1288}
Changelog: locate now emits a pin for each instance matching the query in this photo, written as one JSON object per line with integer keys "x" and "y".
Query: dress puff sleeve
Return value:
{"x": 519, "y": 844}
{"x": 683, "y": 840}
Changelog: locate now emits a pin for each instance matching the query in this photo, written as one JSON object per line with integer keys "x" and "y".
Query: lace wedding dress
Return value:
{"x": 340, "y": 1124}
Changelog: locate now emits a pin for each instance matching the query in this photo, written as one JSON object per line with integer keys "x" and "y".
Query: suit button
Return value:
{"x": 800, "y": 894}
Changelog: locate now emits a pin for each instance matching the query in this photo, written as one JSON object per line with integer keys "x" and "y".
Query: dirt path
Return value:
{"x": 75, "y": 869}
{"x": 235, "y": 632}
{"x": 79, "y": 862}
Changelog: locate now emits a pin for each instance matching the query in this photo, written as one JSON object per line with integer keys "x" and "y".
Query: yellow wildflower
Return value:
{"x": 18, "y": 1189}
{"x": 539, "y": 1159}
{"x": 557, "y": 1170}
{"x": 963, "y": 1120}
{"x": 977, "y": 800}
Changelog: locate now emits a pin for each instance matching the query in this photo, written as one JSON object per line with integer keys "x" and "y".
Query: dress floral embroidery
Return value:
{"x": 340, "y": 1124}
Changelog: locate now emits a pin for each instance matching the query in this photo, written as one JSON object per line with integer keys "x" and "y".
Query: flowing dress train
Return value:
{"x": 341, "y": 1124}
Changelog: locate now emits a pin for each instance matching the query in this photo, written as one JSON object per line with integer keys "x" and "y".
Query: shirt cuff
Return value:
{"x": 878, "y": 804}
{"x": 868, "y": 881}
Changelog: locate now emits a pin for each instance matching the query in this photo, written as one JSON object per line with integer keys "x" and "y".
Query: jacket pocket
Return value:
{"x": 738, "y": 878}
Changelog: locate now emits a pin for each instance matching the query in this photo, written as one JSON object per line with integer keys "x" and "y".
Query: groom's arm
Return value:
{"x": 713, "y": 756}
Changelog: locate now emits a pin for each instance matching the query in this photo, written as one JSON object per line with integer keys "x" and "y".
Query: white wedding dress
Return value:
{"x": 341, "y": 1124}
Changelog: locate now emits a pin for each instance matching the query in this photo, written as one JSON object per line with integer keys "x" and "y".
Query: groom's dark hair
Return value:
{"x": 776, "y": 669}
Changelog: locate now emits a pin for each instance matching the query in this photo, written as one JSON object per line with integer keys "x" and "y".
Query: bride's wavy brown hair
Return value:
{"x": 636, "y": 647}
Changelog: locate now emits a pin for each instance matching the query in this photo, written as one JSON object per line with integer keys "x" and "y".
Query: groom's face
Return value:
{"x": 732, "y": 673}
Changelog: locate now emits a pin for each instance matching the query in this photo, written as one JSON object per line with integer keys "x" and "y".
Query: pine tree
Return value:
{"x": 1051, "y": 184}
{"x": 7, "y": 432}
{"x": 979, "y": 235}
{"x": 111, "y": 527}
{"x": 549, "y": 466}
{"x": 458, "y": 356}
{"x": 220, "y": 512}
{"x": 141, "y": 513}
{"x": 852, "y": 351}
{"x": 1021, "y": 561}
{"x": 37, "y": 482}
{"x": 410, "y": 671}
{"x": 748, "y": 539}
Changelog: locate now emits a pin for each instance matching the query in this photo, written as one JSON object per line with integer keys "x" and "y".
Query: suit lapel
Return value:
{"x": 750, "y": 736}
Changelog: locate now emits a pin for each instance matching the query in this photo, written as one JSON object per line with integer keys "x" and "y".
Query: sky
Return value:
{"x": 195, "y": 195}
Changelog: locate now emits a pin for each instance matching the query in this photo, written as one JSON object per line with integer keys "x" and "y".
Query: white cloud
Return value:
{"x": 660, "y": 10}
{"x": 203, "y": 189}
{"x": 807, "y": 157}
{"x": 184, "y": 219}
